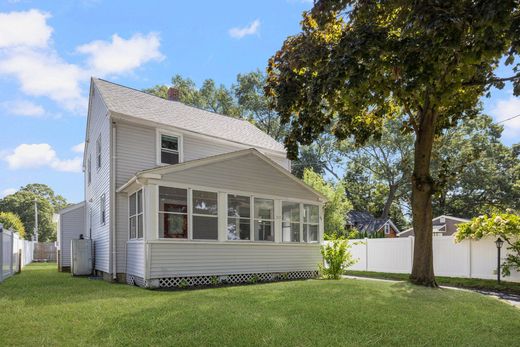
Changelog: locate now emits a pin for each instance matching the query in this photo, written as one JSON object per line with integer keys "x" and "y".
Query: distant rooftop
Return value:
{"x": 138, "y": 104}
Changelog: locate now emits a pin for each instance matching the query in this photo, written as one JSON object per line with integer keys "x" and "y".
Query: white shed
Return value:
{"x": 71, "y": 225}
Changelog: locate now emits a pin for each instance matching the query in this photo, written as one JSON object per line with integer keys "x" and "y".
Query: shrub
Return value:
{"x": 503, "y": 225}
{"x": 13, "y": 222}
{"x": 336, "y": 258}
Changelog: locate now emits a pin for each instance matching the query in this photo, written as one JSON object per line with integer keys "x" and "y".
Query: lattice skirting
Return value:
{"x": 197, "y": 281}
{"x": 135, "y": 281}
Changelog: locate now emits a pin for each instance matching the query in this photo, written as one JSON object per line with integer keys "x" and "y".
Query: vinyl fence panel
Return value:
{"x": 472, "y": 259}
{"x": 11, "y": 244}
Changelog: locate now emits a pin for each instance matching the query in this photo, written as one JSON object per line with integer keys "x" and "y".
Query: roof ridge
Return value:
{"x": 180, "y": 102}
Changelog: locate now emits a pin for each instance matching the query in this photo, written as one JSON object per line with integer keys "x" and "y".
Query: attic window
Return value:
{"x": 169, "y": 149}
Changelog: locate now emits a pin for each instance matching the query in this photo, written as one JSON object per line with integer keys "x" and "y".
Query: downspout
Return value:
{"x": 113, "y": 202}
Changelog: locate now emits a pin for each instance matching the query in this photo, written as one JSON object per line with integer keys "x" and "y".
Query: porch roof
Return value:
{"x": 160, "y": 172}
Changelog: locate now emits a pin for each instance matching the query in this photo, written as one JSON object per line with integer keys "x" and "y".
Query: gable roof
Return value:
{"x": 137, "y": 104}
{"x": 159, "y": 171}
{"x": 462, "y": 220}
{"x": 366, "y": 222}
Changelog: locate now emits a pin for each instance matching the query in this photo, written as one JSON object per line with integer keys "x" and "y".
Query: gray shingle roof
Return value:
{"x": 134, "y": 103}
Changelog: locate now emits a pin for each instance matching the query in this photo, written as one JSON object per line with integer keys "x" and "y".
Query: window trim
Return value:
{"x": 89, "y": 169}
{"x": 300, "y": 221}
{"x": 136, "y": 215}
{"x": 158, "y": 140}
{"x": 99, "y": 151}
{"x": 102, "y": 209}
{"x": 252, "y": 196}
{"x": 187, "y": 214}
{"x": 250, "y": 218}
{"x": 191, "y": 214}
{"x": 273, "y": 220}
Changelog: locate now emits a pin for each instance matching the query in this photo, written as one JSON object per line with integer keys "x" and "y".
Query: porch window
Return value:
{"x": 239, "y": 217}
{"x": 169, "y": 149}
{"x": 173, "y": 213}
{"x": 310, "y": 223}
{"x": 205, "y": 215}
{"x": 135, "y": 213}
{"x": 264, "y": 219}
{"x": 290, "y": 221}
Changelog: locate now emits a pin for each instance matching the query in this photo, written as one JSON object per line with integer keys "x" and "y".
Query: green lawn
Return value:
{"x": 470, "y": 283}
{"x": 44, "y": 307}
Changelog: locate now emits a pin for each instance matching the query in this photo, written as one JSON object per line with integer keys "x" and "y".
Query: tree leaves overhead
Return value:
{"x": 356, "y": 63}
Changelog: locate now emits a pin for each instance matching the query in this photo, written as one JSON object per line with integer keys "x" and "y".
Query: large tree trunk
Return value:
{"x": 422, "y": 192}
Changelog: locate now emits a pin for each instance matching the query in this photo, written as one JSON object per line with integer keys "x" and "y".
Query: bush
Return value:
{"x": 336, "y": 258}
{"x": 11, "y": 221}
{"x": 503, "y": 225}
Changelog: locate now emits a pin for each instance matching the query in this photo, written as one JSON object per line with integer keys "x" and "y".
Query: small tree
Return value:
{"x": 11, "y": 221}
{"x": 336, "y": 258}
{"x": 337, "y": 205}
{"x": 503, "y": 225}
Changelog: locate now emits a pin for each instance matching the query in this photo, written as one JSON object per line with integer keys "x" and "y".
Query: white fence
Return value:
{"x": 472, "y": 259}
{"x": 15, "y": 253}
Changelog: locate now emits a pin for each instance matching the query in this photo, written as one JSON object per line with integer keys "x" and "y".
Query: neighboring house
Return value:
{"x": 442, "y": 226}
{"x": 71, "y": 224}
{"x": 175, "y": 195}
{"x": 369, "y": 226}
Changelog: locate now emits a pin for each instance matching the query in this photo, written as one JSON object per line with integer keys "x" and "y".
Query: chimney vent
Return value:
{"x": 173, "y": 94}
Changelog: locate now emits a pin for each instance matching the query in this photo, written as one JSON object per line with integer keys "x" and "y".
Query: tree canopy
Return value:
{"x": 356, "y": 64}
{"x": 11, "y": 221}
{"x": 22, "y": 202}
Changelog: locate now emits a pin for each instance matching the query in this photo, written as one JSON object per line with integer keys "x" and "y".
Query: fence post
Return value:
{"x": 1, "y": 253}
{"x": 469, "y": 257}
{"x": 366, "y": 253}
{"x": 412, "y": 240}
{"x": 11, "y": 269}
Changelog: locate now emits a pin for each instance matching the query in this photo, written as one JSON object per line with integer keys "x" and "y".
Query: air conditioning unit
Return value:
{"x": 81, "y": 257}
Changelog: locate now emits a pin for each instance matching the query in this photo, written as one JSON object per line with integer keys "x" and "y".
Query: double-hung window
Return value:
{"x": 205, "y": 215}
{"x": 98, "y": 153}
{"x": 102, "y": 210}
{"x": 239, "y": 217}
{"x": 170, "y": 149}
{"x": 173, "y": 213}
{"x": 264, "y": 219}
{"x": 135, "y": 209}
{"x": 310, "y": 223}
{"x": 290, "y": 221}
{"x": 89, "y": 169}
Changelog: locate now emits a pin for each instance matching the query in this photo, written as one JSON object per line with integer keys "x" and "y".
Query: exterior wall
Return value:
{"x": 72, "y": 224}
{"x": 450, "y": 226}
{"x": 247, "y": 174}
{"x": 136, "y": 257}
{"x": 99, "y": 125}
{"x": 185, "y": 258}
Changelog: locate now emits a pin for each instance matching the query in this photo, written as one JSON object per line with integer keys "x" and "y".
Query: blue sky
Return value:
{"x": 49, "y": 49}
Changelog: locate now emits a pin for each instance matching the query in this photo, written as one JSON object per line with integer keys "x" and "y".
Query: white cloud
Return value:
{"x": 507, "y": 108}
{"x": 119, "y": 55}
{"x": 251, "y": 29}
{"x": 27, "y": 55}
{"x": 27, "y": 28}
{"x": 23, "y": 108}
{"x": 79, "y": 148}
{"x": 7, "y": 192}
{"x": 32, "y": 156}
{"x": 44, "y": 73}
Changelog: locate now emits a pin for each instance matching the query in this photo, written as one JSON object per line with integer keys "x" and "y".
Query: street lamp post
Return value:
{"x": 499, "y": 242}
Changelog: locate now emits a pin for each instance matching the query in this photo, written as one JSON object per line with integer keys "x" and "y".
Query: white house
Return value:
{"x": 71, "y": 225}
{"x": 175, "y": 195}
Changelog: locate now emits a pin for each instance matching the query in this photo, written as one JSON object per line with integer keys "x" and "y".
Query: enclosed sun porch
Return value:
{"x": 232, "y": 218}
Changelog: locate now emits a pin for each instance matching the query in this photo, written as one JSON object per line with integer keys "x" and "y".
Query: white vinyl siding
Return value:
{"x": 72, "y": 225}
{"x": 99, "y": 127}
{"x": 246, "y": 174}
{"x": 181, "y": 258}
{"x": 136, "y": 256}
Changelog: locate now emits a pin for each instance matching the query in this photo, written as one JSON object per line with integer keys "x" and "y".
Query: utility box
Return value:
{"x": 81, "y": 257}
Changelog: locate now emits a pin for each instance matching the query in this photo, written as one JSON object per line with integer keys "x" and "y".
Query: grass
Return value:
{"x": 470, "y": 283}
{"x": 42, "y": 307}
